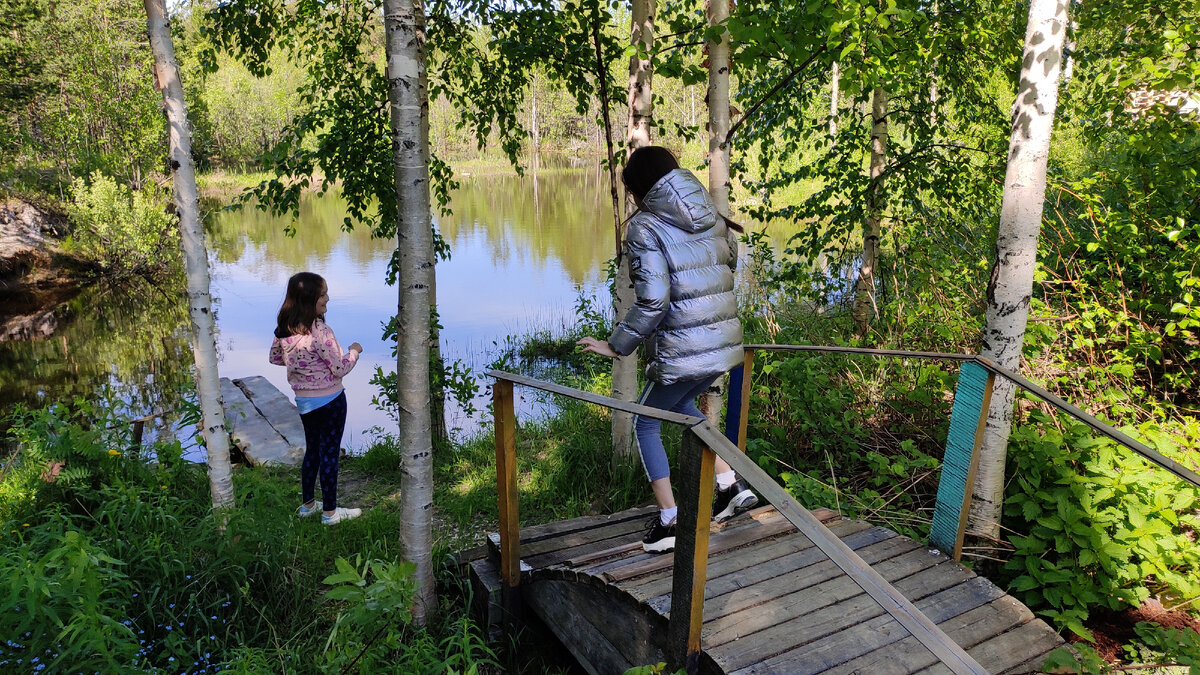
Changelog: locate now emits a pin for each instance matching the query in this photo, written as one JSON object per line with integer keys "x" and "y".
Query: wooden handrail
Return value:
{"x": 1098, "y": 426}
{"x": 702, "y": 439}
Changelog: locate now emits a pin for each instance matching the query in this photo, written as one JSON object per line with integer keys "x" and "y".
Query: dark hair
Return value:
{"x": 646, "y": 166}
{"x": 299, "y": 308}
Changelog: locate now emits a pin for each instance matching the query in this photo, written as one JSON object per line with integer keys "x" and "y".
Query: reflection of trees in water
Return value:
{"x": 551, "y": 214}
{"x": 128, "y": 343}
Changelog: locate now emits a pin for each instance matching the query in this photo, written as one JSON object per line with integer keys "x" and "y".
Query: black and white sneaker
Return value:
{"x": 660, "y": 538}
{"x": 733, "y": 501}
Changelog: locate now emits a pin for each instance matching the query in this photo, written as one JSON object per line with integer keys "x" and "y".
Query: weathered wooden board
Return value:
{"x": 275, "y": 406}
{"x": 774, "y": 602}
{"x": 252, "y": 433}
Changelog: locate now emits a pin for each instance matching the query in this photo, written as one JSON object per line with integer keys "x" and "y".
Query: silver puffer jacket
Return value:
{"x": 681, "y": 258}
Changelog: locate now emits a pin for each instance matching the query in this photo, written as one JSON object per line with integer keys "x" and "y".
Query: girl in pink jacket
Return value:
{"x": 315, "y": 367}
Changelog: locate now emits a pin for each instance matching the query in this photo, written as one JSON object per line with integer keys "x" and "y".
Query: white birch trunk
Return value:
{"x": 404, "y": 21}
{"x": 641, "y": 116}
{"x": 1011, "y": 285}
{"x": 865, "y": 309}
{"x": 195, "y": 256}
{"x": 835, "y": 78}
{"x": 718, "y": 152}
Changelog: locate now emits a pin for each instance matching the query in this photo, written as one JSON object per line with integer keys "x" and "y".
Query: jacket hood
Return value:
{"x": 679, "y": 199}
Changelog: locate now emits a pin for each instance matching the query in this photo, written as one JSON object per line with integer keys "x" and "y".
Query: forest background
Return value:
{"x": 1090, "y": 529}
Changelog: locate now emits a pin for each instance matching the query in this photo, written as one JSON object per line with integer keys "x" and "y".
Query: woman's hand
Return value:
{"x": 601, "y": 347}
{"x": 355, "y": 347}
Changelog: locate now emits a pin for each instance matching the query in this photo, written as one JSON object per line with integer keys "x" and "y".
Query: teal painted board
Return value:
{"x": 969, "y": 398}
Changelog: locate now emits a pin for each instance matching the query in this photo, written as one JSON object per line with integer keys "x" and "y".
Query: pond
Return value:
{"x": 524, "y": 251}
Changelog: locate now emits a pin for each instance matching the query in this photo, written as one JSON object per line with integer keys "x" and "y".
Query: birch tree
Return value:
{"x": 641, "y": 117}
{"x": 1011, "y": 285}
{"x": 195, "y": 255}
{"x": 404, "y": 21}
{"x": 865, "y": 308}
{"x": 718, "y": 148}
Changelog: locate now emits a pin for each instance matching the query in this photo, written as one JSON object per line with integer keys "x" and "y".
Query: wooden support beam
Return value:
{"x": 744, "y": 398}
{"x": 691, "y": 553}
{"x": 506, "y": 487}
{"x": 960, "y": 461}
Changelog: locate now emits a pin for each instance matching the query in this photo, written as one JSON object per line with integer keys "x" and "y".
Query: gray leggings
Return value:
{"x": 679, "y": 397}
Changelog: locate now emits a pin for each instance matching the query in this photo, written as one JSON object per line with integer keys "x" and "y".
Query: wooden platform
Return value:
{"x": 773, "y": 602}
{"x": 262, "y": 422}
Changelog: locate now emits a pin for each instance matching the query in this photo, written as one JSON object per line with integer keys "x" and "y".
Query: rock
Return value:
{"x": 26, "y": 232}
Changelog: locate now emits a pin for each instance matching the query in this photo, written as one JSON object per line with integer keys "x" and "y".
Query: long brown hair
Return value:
{"x": 646, "y": 166}
{"x": 299, "y": 309}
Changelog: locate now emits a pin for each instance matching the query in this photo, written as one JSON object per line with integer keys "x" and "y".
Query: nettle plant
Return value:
{"x": 1097, "y": 525}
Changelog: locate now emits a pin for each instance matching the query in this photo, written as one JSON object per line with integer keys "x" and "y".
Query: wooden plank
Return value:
{"x": 772, "y": 579}
{"x": 532, "y": 534}
{"x": 662, "y": 564}
{"x": 506, "y": 488}
{"x": 251, "y": 432}
{"x": 1033, "y": 665}
{"x": 275, "y": 406}
{"x": 892, "y": 601}
{"x": 725, "y": 540}
{"x": 1009, "y": 649}
{"x": 734, "y": 569}
{"x": 582, "y": 543}
{"x": 960, "y": 462}
{"x": 587, "y": 396}
{"x": 604, "y": 554}
{"x": 967, "y": 629}
{"x": 745, "y": 612}
{"x": 559, "y": 605}
{"x": 839, "y": 608}
{"x": 695, "y": 487}
{"x": 882, "y": 630}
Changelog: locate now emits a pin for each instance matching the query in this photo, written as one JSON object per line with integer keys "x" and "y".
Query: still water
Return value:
{"x": 524, "y": 250}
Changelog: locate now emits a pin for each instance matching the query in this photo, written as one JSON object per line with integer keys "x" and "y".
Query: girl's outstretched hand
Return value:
{"x": 601, "y": 347}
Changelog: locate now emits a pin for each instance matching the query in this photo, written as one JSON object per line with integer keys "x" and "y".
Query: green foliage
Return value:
{"x": 122, "y": 231}
{"x": 121, "y": 565}
{"x": 1096, "y": 525}
{"x": 101, "y": 114}
{"x": 1172, "y": 645}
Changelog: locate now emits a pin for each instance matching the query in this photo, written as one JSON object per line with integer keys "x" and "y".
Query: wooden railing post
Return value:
{"x": 695, "y": 486}
{"x": 960, "y": 462}
{"x": 506, "y": 489}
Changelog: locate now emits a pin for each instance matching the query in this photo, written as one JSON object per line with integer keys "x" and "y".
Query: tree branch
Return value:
{"x": 774, "y": 90}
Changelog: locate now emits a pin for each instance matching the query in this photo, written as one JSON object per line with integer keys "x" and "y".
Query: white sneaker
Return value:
{"x": 306, "y": 511}
{"x": 340, "y": 514}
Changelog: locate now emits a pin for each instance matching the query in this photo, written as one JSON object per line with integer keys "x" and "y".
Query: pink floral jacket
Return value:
{"x": 315, "y": 362}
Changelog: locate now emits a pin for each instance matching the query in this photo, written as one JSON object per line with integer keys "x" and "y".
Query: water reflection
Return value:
{"x": 125, "y": 343}
{"x": 523, "y": 248}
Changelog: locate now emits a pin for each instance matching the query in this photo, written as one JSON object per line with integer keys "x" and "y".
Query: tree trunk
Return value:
{"x": 195, "y": 256}
{"x": 1011, "y": 285}
{"x": 865, "y": 309}
{"x": 835, "y": 77}
{"x": 641, "y": 116}
{"x": 718, "y": 151}
{"x": 404, "y": 21}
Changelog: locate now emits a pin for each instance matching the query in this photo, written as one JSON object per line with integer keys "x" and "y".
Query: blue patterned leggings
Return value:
{"x": 323, "y": 429}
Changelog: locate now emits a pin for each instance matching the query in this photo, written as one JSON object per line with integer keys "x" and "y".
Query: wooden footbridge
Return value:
{"x": 780, "y": 589}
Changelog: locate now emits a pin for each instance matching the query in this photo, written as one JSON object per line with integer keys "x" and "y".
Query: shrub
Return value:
{"x": 121, "y": 231}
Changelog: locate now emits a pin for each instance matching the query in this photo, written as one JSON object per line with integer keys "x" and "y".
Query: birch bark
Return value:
{"x": 641, "y": 116}
{"x": 718, "y": 150}
{"x": 1011, "y": 285}
{"x": 195, "y": 256}
{"x": 835, "y": 78}
{"x": 865, "y": 309}
{"x": 404, "y": 21}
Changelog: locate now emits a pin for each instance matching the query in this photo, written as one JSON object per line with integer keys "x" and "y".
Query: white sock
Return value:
{"x": 665, "y": 516}
{"x": 725, "y": 480}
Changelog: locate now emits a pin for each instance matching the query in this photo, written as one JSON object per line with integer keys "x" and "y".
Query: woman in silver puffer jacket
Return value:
{"x": 682, "y": 256}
